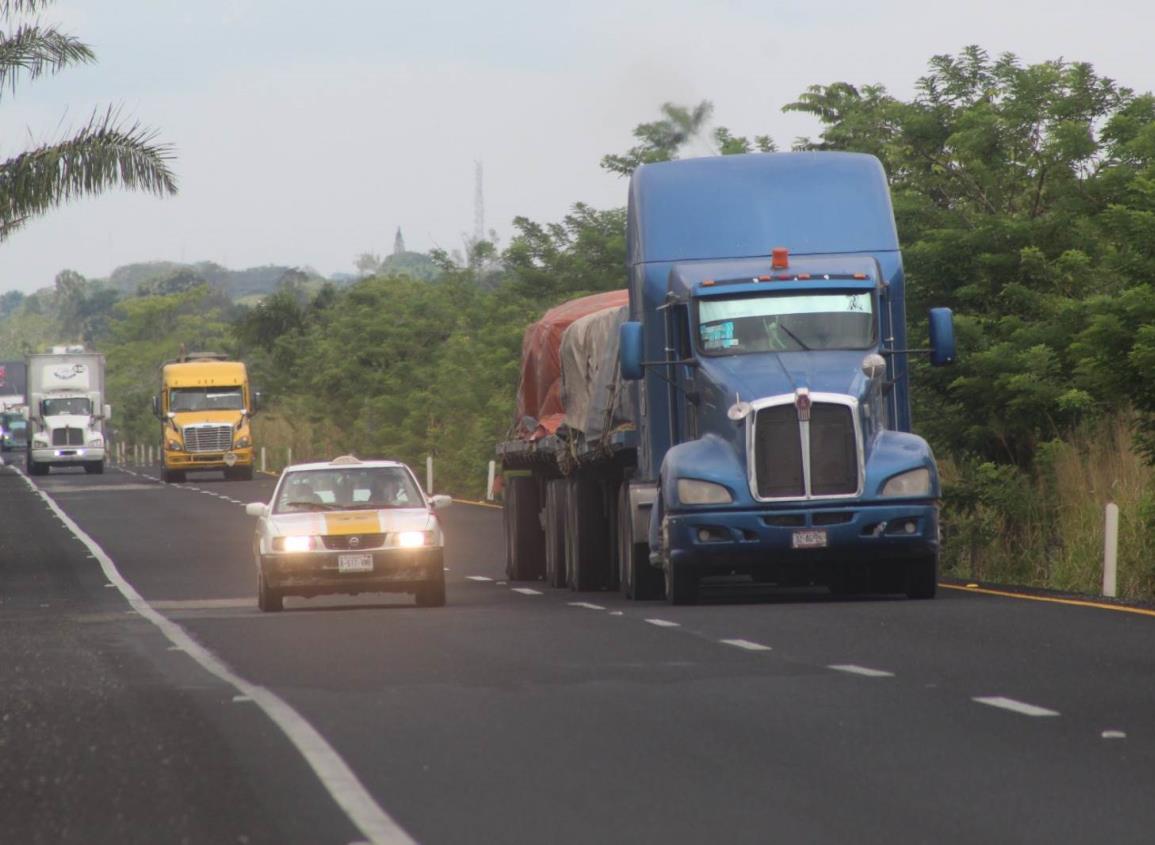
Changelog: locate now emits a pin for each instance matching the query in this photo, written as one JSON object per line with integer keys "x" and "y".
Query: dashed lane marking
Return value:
{"x": 664, "y": 623}
{"x": 865, "y": 671}
{"x": 527, "y": 591}
{"x": 746, "y": 644}
{"x": 1113, "y": 735}
{"x": 1020, "y": 707}
{"x": 586, "y": 605}
{"x": 332, "y": 771}
{"x": 477, "y": 578}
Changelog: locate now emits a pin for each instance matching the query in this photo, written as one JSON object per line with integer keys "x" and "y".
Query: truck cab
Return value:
{"x": 205, "y": 408}
{"x": 66, "y": 410}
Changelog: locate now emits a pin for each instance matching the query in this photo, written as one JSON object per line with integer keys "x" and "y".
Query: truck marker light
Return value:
{"x": 779, "y": 258}
{"x": 802, "y": 276}
{"x": 763, "y": 279}
{"x": 861, "y": 276}
{"x": 709, "y": 283}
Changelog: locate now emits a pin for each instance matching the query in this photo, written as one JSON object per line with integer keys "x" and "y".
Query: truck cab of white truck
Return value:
{"x": 66, "y": 410}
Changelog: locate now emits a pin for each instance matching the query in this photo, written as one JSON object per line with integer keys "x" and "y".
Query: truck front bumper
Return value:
{"x": 63, "y": 456}
{"x": 207, "y": 460}
{"x": 754, "y": 540}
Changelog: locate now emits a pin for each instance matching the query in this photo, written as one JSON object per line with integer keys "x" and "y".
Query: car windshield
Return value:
{"x": 206, "y": 399}
{"x": 786, "y": 322}
{"x": 78, "y": 405}
{"x": 347, "y": 488}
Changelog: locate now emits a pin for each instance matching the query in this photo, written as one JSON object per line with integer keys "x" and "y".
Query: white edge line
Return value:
{"x": 864, "y": 671}
{"x": 333, "y": 772}
{"x": 1015, "y": 706}
{"x": 746, "y": 644}
{"x": 664, "y": 623}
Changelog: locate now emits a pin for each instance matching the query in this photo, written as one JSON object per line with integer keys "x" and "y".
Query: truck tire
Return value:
{"x": 681, "y": 583}
{"x": 94, "y": 467}
{"x": 36, "y": 468}
{"x": 555, "y": 510}
{"x": 171, "y": 476}
{"x": 638, "y": 579}
{"x": 244, "y": 473}
{"x": 922, "y": 577}
{"x": 588, "y": 554}
{"x": 524, "y": 537}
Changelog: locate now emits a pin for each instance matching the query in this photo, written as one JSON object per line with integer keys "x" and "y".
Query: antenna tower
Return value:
{"x": 478, "y": 204}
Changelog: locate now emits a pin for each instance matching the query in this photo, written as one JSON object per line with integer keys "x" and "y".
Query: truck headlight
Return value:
{"x": 414, "y": 539}
{"x": 40, "y": 440}
{"x": 916, "y": 482}
{"x": 243, "y": 442}
{"x": 174, "y": 446}
{"x": 692, "y": 491}
{"x": 96, "y": 441}
{"x": 295, "y": 543}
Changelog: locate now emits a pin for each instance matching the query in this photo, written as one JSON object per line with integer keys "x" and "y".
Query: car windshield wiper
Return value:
{"x": 794, "y": 337}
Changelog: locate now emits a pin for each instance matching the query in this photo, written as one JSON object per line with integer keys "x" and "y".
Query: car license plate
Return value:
{"x": 814, "y": 539}
{"x": 354, "y": 563}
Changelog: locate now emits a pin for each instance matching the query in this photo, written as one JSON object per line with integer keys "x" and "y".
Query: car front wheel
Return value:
{"x": 268, "y": 599}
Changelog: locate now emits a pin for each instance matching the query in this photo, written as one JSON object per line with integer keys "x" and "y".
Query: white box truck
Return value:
{"x": 66, "y": 410}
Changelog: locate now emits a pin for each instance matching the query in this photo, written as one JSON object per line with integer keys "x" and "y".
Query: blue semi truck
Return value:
{"x": 748, "y": 418}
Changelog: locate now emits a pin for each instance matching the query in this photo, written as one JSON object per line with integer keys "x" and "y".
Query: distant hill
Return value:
{"x": 236, "y": 284}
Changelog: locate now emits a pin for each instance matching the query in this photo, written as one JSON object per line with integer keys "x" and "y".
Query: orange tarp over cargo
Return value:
{"x": 539, "y": 408}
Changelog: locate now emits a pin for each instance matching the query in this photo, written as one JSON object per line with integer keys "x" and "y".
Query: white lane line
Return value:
{"x": 334, "y": 773}
{"x": 477, "y": 578}
{"x": 664, "y": 623}
{"x": 865, "y": 671}
{"x": 586, "y": 605}
{"x": 1015, "y": 706}
{"x": 746, "y": 644}
{"x": 526, "y": 591}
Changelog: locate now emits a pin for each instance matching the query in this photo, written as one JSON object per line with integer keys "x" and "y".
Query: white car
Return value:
{"x": 348, "y": 526}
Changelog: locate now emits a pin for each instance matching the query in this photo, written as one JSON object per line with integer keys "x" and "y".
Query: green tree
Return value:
{"x": 110, "y": 151}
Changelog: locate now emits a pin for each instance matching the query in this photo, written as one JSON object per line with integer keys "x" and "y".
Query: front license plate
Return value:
{"x": 815, "y": 539}
{"x": 354, "y": 563}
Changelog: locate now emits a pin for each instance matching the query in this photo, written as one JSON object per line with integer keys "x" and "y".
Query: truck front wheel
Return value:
{"x": 922, "y": 577}
{"x": 94, "y": 467}
{"x": 681, "y": 583}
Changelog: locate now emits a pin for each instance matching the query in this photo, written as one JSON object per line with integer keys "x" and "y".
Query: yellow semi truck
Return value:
{"x": 205, "y": 408}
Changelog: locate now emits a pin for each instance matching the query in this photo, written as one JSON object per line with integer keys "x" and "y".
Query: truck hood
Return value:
{"x": 184, "y": 418}
{"x": 68, "y": 421}
{"x": 774, "y": 373}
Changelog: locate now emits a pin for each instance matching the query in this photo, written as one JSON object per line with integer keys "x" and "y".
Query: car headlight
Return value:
{"x": 916, "y": 482}
{"x": 692, "y": 491}
{"x": 243, "y": 442}
{"x": 295, "y": 543}
{"x": 414, "y": 539}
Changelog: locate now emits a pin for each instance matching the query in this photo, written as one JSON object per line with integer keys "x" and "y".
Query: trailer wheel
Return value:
{"x": 586, "y": 538}
{"x": 555, "y": 510}
{"x": 639, "y": 580}
{"x": 922, "y": 577}
{"x": 524, "y": 538}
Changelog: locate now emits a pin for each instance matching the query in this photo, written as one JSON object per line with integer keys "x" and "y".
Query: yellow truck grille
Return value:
{"x": 208, "y": 438}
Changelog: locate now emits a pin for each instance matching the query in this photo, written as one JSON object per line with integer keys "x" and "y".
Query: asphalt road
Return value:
{"x": 523, "y": 714}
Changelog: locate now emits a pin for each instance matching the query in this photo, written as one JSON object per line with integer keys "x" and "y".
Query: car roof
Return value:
{"x": 343, "y": 463}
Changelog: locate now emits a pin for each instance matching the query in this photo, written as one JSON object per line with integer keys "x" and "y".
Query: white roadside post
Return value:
{"x": 264, "y": 466}
{"x": 1111, "y": 550}
{"x": 288, "y": 456}
{"x": 489, "y": 481}
{"x": 429, "y": 474}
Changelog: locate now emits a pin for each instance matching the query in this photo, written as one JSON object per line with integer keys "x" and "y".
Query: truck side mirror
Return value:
{"x": 942, "y": 346}
{"x": 107, "y": 413}
{"x": 630, "y": 348}
{"x": 256, "y": 402}
{"x": 156, "y": 406}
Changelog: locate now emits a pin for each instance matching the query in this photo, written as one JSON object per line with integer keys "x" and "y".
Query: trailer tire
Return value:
{"x": 524, "y": 538}
{"x": 555, "y": 516}
{"x": 922, "y": 577}
{"x": 638, "y": 579}
{"x": 586, "y": 538}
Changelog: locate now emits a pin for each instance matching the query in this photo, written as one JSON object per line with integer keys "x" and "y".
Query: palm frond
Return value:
{"x": 35, "y": 50}
{"x": 8, "y": 8}
{"x": 105, "y": 154}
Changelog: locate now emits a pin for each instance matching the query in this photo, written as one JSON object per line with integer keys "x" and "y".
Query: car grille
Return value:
{"x": 345, "y": 542}
{"x": 778, "y": 467}
{"x": 68, "y": 437}
{"x": 208, "y": 438}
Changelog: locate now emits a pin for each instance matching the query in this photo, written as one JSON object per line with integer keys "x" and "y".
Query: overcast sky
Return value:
{"x": 306, "y": 133}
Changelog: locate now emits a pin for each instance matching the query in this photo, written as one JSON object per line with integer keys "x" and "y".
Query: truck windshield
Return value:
{"x": 206, "y": 399}
{"x": 786, "y": 322}
{"x": 78, "y": 405}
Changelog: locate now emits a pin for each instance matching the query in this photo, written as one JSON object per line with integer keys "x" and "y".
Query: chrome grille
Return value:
{"x": 208, "y": 438}
{"x": 354, "y": 542}
{"x": 67, "y": 437}
{"x": 779, "y": 470}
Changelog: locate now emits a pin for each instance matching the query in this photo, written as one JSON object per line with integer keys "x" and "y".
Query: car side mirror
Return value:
{"x": 440, "y": 501}
{"x": 257, "y": 509}
{"x": 630, "y": 349}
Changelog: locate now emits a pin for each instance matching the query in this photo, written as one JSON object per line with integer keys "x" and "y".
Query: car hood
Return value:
{"x": 332, "y": 523}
